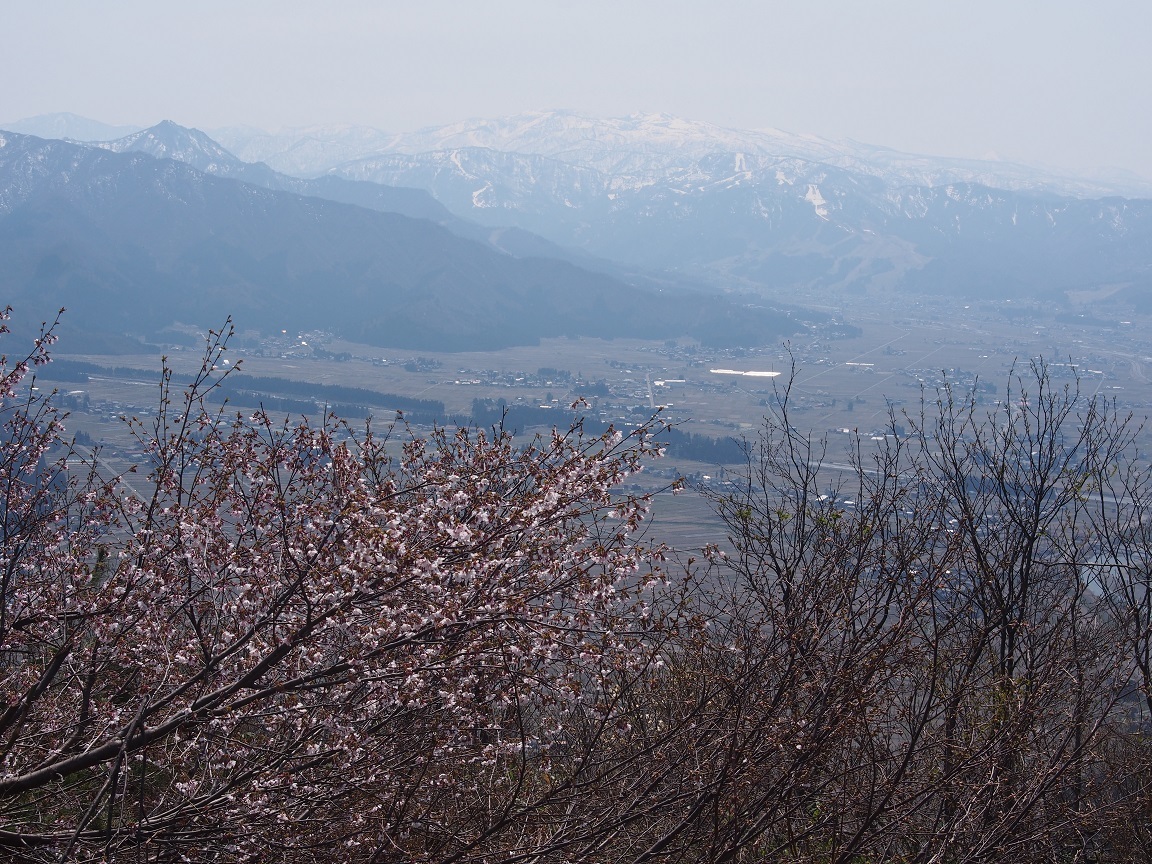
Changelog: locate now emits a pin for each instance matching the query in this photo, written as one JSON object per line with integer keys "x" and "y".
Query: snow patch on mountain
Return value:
{"x": 813, "y": 197}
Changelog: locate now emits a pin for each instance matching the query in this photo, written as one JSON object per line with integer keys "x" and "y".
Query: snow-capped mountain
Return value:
{"x": 761, "y": 210}
{"x": 168, "y": 140}
{"x": 788, "y": 223}
{"x": 655, "y": 145}
{"x": 639, "y": 145}
{"x": 650, "y": 146}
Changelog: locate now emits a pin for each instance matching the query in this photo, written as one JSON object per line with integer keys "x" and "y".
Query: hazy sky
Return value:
{"x": 1063, "y": 83}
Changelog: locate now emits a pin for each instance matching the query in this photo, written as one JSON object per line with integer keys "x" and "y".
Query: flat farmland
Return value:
{"x": 869, "y": 362}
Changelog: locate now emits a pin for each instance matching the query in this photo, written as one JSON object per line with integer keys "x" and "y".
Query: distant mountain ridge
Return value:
{"x": 651, "y": 146}
{"x": 169, "y": 140}
{"x": 787, "y": 217}
{"x": 793, "y": 225}
{"x": 132, "y": 243}
{"x": 67, "y": 126}
{"x": 763, "y": 210}
{"x": 639, "y": 143}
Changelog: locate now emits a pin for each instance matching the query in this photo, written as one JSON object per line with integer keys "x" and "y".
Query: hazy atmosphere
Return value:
{"x": 575, "y": 433}
{"x": 1063, "y": 84}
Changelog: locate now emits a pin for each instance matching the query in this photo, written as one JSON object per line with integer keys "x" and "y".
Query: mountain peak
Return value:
{"x": 169, "y": 140}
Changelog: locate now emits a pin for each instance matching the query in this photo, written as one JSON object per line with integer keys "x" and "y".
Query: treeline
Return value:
{"x": 79, "y": 370}
{"x": 488, "y": 413}
{"x": 274, "y": 394}
{"x": 704, "y": 448}
{"x": 357, "y": 398}
{"x": 695, "y": 447}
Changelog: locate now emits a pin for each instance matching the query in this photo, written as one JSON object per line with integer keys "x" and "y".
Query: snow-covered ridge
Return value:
{"x": 682, "y": 198}
{"x": 167, "y": 140}
{"x": 648, "y": 147}
{"x": 634, "y": 151}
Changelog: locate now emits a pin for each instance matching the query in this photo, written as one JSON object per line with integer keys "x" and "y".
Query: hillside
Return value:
{"x": 131, "y": 243}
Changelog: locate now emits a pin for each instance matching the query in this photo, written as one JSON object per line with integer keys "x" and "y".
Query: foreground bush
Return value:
{"x": 286, "y": 642}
